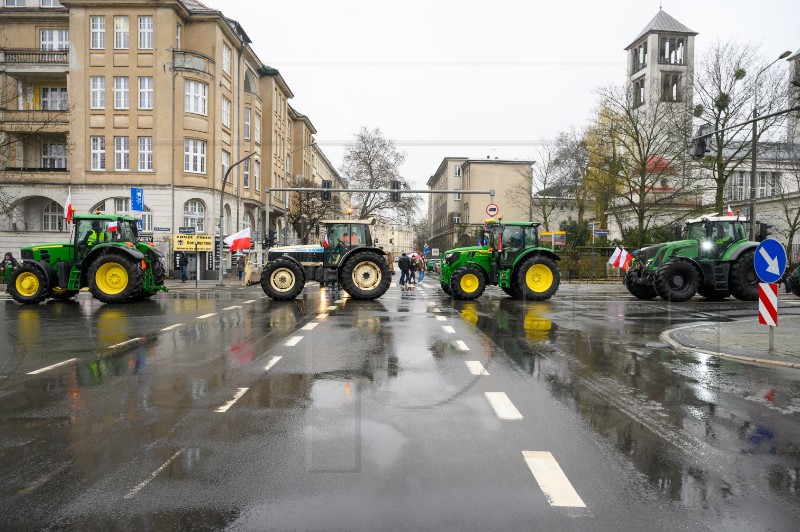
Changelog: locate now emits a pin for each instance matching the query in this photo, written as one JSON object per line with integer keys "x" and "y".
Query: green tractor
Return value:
{"x": 510, "y": 258}
{"x": 714, "y": 260}
{"x": 104, "y": 256}
{"x": 347, "y": 257}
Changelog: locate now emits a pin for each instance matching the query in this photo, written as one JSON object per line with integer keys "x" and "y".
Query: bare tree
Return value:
{"x": 372, "y": 161}
{"x": 726, "y": 92}
{"x": 539, "y": 197}
{"x": 307, "y": 209}
{"x": 787, "y": 157}
{"x": 571, "y": 163}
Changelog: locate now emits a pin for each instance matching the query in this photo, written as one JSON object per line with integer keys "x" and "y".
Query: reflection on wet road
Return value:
{"x": 228, "y": 409}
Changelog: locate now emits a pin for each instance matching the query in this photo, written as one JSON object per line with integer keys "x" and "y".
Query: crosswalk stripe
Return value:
{"x": 502, "y": 405}
{"x": 476, "y": 368}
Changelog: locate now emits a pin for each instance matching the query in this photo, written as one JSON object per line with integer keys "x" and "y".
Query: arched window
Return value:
{"x": 248, "y": 221}
{"x": 52, "y": 215}
{"x": 228, "y": 220}
{"x": 194, "y": 215}
{"x": 250, "y": 83}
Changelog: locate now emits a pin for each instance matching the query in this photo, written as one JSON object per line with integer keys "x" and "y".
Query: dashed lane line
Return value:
{"x": 239, "y": 393}
{"x": 338, "y": 301}
{"x": 126, "y": 342}
{"x": 322, "y": 316}
{"x": 272, "y": 362}
{"x": 48, "y": 368}
{"x": 249, "y": 301}
{"x": 332, "y": 307}
{"x": 502, "y": 406}
{"x": 308, "y": 326}
{"x": 461, "y": 345}
{"x": 476, "y": 368}
{"x": 172, "y": 327}
{"x": 232, "y": 307}
{"x": 551, "y": 479}
{"x": 437, "y": 309}
{"x": 204, "y": 316}
{"x": 144, "y": 483}
{"x": 441, "y": 318}
{"x": 448, "y": 329}
{"x": 293, "y": 341}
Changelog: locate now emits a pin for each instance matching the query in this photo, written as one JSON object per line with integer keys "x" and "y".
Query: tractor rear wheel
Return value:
{"x": 28, "y": 284}
{"x": 677, "y": 280}
{"x": 158, "y": 276}
{"x": 538, "y": 278}
{"x": 366, "y": 275}
{"x": 115, "y": 278}
{"x": 793, "y": 282}
{"x": 637, "y": 287}
{"x": 62, "y": 294}
{"x": 282, "y": 280}
{"x": 743, "y": 279}
{"x": 511, "y": 292}
{"x": 468, "y": 282}
{"x": 446, "y": 289}
{"x": 712, "y": 294}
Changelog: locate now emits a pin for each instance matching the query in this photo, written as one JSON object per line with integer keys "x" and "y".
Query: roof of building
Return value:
{"x": 662, "y": 23}
{"x": 442, "y": 166}
{"x": 297, "y": 115}
{"x": 794, "y": 56}
{"x": 196, "y": 6}
{"x": 499, "y": 161}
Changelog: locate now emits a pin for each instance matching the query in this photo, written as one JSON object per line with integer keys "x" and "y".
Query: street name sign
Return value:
{"x": 770, "y": 260}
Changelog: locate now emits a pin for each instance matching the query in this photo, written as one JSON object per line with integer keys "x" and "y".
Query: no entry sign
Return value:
{"x": 768, "y": 304}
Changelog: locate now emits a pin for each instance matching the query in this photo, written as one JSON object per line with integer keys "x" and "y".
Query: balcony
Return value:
{"x": 34, "y": 121}
{"x": 193, "y": 61}
{"x": 33, "y": 60}
{"x": 30, "y": 176}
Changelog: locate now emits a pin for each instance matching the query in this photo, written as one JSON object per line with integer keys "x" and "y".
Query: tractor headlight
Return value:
{"x": 707, "y": 246}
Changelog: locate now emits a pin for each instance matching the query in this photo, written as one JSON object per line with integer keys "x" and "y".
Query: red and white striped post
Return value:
{"x": 768, "y": 309}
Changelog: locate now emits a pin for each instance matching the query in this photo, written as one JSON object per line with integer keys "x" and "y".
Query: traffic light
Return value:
{"x": 396, "y": 186}
{"x": 701, "y": 141}
{"x": 271, "y": 238}
{"x": 326, "y": 194}
{"x": 763, "y": 231}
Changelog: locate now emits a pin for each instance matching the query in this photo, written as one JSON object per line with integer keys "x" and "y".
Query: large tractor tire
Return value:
{"x": 743, "y": 279}
{"x": 712, "y": 294}
{"x": 158, "y": 277}
{"x": 793, "y": 281}
{"x": 637, "y": 287}
{"x": 366, "y": 275}
{"x": 468, "y": 282}
{"x": 513, "y": 292}
{"x": 446, "y": 289}
{"x": 63, "y": 294}
{"x": 282, "y": 280}
{"x": 677, "y": 280}
{"x": 28, "y": 284}
{"x": 115, "y": 278}
{"x": 538, "y": 278}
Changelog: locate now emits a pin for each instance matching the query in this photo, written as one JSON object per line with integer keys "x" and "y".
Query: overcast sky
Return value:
{"x": 473, "y": 78}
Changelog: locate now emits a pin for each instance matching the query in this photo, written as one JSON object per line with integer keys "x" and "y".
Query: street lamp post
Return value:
{"x": 753, "y": 154}
{"x": 222, "y": 212}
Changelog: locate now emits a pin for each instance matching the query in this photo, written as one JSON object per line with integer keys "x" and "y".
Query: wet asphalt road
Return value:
{"x": 227, "y": 410}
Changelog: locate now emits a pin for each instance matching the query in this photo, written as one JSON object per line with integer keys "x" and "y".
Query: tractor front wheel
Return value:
{"x": 712, "y": 294}
{"x": 677, "y": 280}
{"x": 28, "y": 284}
{"x": 366, "y": 276}
{"x": 743, "y": 279}
{"x": 538, "y": 278}
{"x": 468, "y": 282}
{"x": 637, "y": 287}
{"x": 446, "y": 289}
{"x": 282, "y": 280}
{"x": 511, "y": 292}
{"x": 115, "y": 278}
{"x": 62, "y": 294}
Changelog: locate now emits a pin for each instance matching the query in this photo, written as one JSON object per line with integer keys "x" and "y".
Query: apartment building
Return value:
{"x": 99, "y": 97}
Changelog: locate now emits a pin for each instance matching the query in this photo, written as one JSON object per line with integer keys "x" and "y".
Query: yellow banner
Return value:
{"x": 192, "y": 243}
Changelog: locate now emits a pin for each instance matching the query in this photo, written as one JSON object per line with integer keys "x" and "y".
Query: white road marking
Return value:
{"x": 42, "y": 370}
{"x": 249, "y": 301}
{"x": 204, "y": 316}
{"x": 172, "y": 327}
{"x": 552, "y": 480}
{"x": 272, "y": 362}
{"x": 144, "y": 483}
{"x": 437, "y": 309}
{"x": 338, "y": 301}
{"x": 309, "y": 326}
{"x": 126, "y": 342}
{"x": 332, "y": 307}
{"x": 441, "y": 318}
{"x": 264, "y": 297}
{"x": 231, "y": 308}
{"x": 461, "y": 345}
{"x": 322, "y": 316}
{"x": 476, "y": 368}
{"x": 502, "y": 405}
{"x": 224, "y": 408}
{"x": 293, "y": 341}
{"x": 448, "y": 329}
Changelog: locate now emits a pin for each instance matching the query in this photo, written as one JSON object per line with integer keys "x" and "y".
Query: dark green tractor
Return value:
{"x": 104, "y": 255}
{"x": 715, "y": 260}
{"x": 510, "y": 258}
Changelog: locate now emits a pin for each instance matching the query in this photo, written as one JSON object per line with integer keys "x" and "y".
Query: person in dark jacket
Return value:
{"x": 412, "y": 270}
{"x": 404, "y": 263}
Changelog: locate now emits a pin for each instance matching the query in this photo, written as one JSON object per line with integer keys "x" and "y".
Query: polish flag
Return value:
{"x": 730, "y": 212}
{"x": 240, "y": 240}
{"x": 626, "y": 263}
{"x": 614, "y": 256}
{"x": 325, "y": 243}
{"x": 69, "y": 209}
{"x": 112, "y": 227}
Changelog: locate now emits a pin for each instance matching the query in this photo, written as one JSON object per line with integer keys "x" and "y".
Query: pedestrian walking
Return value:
{"x": 240, "y": 265}
{"x": 404, "y": 263}
{"x": 183, "y": 263}
{"x": 412, "y": 270}
{"x": 8, "y": 264}
{"x": 421, "y": 268}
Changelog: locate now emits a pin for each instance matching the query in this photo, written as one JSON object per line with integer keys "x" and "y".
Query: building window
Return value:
{"x": 52, "y": 215}
{"x": 257, "y": 127}
{"x": 147, "y": 220}
{"x": 194, "y": 215}
{"x": 15, "y": 3}
{"x": 639, "y": 58}
{"x": 670, "y": 87}
{"x": 54, "y": 98}
{"x": 227, "y": 53}
{"x": 226, "y": 162}
{"x": 97, "y": 92}
{"x": 55, "y": 39}
{"x": 145, "y": 154}
{"x": 774, "y": 183}
{"x": 98, "y": 33}
{"x": 54, "y": 155}
{"x": 638, "y": 92}
{"x": 122, "y": 206}
{"x": 146, "y": 92}
{"x": 178, "y": 37}
{"x": 98, "y": 153}
{"x": 122, "y": 92}
{"x": 226, "y": 112}
{"x": 196, "y": 94}
{"x": 247, "y": 123}
{"x": 247, "y": 173}
{"x": 671, "y": 50}
{"x": 146, "y": 33}
{"x": 51, "y": 3}
{"x": 740, "y": 183}
{"x": 257, "y": 174}
{"x": 194, "y": 156}
{"x": 122, "y": 154}
{"x": 457, "y": 171}
{"x": 121, "y": 33}
{"x": 456, "y": 218}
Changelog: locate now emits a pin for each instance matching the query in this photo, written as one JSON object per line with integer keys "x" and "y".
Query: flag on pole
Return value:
{"x": 112, "y": 227}
{"x": 69, "y": 209}
{"x": 730, "y": 212}
{"x": 626, "y": 263}
{"x": 240, "y": 240}
{"x": 325, "y": 243}
{"x": 614, "y": 256}
{"x": 620, "y": 259}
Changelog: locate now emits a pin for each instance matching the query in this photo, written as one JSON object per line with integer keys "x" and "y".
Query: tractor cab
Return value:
{"x": 92, "y": 230}
{"x": 508, "y": 241}
{"x": 344, "y": 235}
{"x": 715, "y": 234}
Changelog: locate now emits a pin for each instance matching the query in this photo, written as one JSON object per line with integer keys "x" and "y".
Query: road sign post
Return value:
{"x": 770, "y": 263}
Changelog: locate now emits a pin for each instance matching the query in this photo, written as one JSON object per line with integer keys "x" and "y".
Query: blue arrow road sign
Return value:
{"x": 770, "y": 261}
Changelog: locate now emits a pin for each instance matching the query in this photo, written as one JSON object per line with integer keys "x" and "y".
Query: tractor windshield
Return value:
{"x": 346, "y": 235}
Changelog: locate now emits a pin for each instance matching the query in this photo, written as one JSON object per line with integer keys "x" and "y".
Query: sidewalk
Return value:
{"x": 741, "y": 340}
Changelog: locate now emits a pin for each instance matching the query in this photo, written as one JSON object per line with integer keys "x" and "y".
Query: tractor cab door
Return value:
{"x": 513, "y": 244}
{"x": 84, "y": 239}
{"x": 341, "y": 238}
{"x": 717, "y": 238}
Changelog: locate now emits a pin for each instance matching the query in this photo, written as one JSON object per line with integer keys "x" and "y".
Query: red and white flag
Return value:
{"x": 112, "y": 227}
{"x": 614, "y": 256}
{"x": 626, "y": 262}
{"x": 620, "y": 259}
{"x": 69, "y": 209}
{"x": 240, "y": 240}
{"x": 325, "y": 243}
{"x": 730, "y": 212}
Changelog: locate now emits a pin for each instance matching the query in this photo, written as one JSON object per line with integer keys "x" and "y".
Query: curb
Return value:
{"x": 738, "y": 358}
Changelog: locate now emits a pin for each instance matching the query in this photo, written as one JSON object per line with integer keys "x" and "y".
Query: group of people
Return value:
{"x": 408, "y": 269}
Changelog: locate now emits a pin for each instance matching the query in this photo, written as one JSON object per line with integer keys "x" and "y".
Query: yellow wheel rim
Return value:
{"x": 539, "y": 278}
{"x": 27, "y": 284}
{"x": 111, "y": 278}
{"x": 469, "y": 283}
{"x": 282, "y": 280}
{"x": 367, "y": 275}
